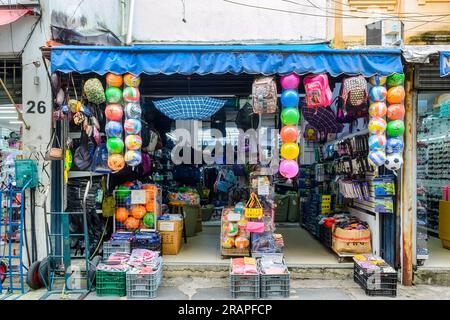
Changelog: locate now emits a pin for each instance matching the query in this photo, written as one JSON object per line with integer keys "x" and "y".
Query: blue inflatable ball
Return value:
{"x": 113, "y": 129}
{"x": 378, "y": 93}
{"x": 377, "y": 158}
{"x": 133, "y": 158}
{"x": 377, "y": 142}
{"x": 395, "y": 145}
{"x": 290, "y": 98}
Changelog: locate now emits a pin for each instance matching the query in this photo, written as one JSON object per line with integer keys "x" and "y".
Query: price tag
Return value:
{"x": 138, "y": 197}
{"x": 234, "y": 217}
{"x": 263, "y": 186}
{"x": 166, "y": 226}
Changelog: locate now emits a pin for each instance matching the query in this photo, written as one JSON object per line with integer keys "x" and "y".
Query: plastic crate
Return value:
{"x": 113, "y": 246}
{"x": 142, "y": 286}
{"x": 151, "y": 246}
{"x": 146, "y": 241}
{"x": 244, "y": 286}
{"x": 326, "y": 236}
{"x": 376, "y": 284}
{"x": 275, "y": 285}
{"x": 110, "y": 283}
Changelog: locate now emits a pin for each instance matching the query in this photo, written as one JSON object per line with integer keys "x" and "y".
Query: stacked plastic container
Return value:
{"x": 377, "y": 122}
{"x": 114, "y": 117}
{"x": 290, "y": 117}
{"x": 395, "y": 126}
{"x": 132, "y": 124}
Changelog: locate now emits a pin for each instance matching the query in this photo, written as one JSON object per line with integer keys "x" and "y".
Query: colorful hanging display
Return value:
{"x": 377, "y": 123}
{"x": 290, "y": 116}
{"x": 132, "y": 124}
{"x": 395, "y": 127}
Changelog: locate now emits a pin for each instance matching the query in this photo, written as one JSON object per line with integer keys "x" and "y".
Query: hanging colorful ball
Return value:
{"x": 396, "y": 112}
{"x": 394, "y": 161}
{"x": 121, "y": 214}
{"x": 131, "y": 94}
{"x": 289, "y": 133}
{"x": 133, "y": 142}
{"x": 133, "y": 110}
{"x": 133, "y": 158}
{"x": 116, "y": 162}
{"x": 377, "y": 142}
{"x": 377, "y": 126}
{"x": 288, "y": 168}
{"x": 114, "y": 80}
{"x": 377, "y": 109}
{"x": 132, "y": 126}
{"x": 376, "y": 158}
{"x": 395, "y": 128}
{"x": 131, "y": 80}
{"x": 290, "y": 116}
{"x": 396, "y": 79}
{"x": 290, "y": 150}
{"x": 290, "y": 81}
{"x": 114, "y": 145}
{"x": 114, "y": 112}
{"x": 113, "y": 95}
{"x": 396, "y": 95}
{"x": 113, "y": 129}
{"x": 149, "y": 220}
{"x": 378, "y": 93}
{"x": 377, "y": 80}
{"x": 394, "y": 145}
{"x": 290, "y": 98}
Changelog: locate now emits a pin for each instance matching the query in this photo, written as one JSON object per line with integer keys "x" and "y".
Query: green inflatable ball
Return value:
{"x": 122, "y": 192}
{"x": 396, "y": 79}
{"x": 395, "y": 128}
{"x": 114, "y": 145}
{"x": 290, "y": 116}
{"x": 149, "y": 220}
{"x": 113, "y": 95}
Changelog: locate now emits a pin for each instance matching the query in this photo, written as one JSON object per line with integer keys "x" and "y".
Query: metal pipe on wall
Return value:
{"x": 130, "y": 22}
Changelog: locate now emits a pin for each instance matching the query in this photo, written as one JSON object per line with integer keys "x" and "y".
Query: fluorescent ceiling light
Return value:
{"x": 8, "y": 118}
{"x": 2, "y": 111}
{"x": 15, "y": 122}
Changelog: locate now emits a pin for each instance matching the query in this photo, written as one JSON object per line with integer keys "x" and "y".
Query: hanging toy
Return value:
{"x": 394, "y": 161}
{"x": 131, "y": 80}
{"x": 290, "y": 99}
{"x": 116, "y": 162}
{"x": 396, "y": 79}
{"x": 114, "y": 112}
{"x": 288, "y": 168}
{"x": 113, "y": 129}
{"x": 133, "y": 110}
{"x": 114, "y": 145}
{"x": 395, "y": 128}
{"x": 377, "y": 126}
{"x": 396, "y": 112}
{"x": 377, "y": 109}
{"x": 377, "y": 80}
{"x": 377, "y": 158}
{"x": 394, "y": 145}
{"x": 133, "y": 158}
{"x": 114, "y": 80}
{"x": 113, "y": 95}
{"x": 132, "y": 126}
{"x": 396, "y": 95}
{"x": 377, "y": 142}
{"x": 289, "y": 133}
{"x": 378, "y": 94}
{"x": 133, "y": 142}
{"x": 290, "y": 116}
{"x": 290, "y": 81}
{"x": 131, "y": 94}
{"x": 290, "y": 150}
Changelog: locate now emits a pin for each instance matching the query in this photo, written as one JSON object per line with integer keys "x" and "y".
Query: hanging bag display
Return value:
{"x": 318, "y": 92}
{"x": 246, "y": 118}
{"x": 253, "y": 209}
{"x": 54, "y": 153}
{"x": 264, "y": 91}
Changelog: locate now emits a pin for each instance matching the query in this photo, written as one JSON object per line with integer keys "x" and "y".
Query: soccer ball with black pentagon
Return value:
{"x": 393, "y": 161}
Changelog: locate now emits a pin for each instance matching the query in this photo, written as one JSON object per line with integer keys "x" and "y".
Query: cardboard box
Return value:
{"x": 352, "y": 241}
{"x": 171, "y": 236}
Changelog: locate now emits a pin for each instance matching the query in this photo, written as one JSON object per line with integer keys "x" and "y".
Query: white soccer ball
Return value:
{"x": 394, "y": 161}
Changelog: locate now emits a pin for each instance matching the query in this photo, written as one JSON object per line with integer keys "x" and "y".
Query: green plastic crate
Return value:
{"x": 111, "y": 283}
{"x": 26, "y": 170}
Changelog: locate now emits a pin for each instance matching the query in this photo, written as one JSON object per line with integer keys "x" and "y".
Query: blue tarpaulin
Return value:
{"x": 221, "y": 59}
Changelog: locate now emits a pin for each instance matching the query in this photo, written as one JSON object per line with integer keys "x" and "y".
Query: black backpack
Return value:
{"x": 246, "y": 118}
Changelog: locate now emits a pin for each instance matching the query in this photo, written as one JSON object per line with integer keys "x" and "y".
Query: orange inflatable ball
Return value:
{"x": 131, "y": 223}
{"x": 289, "y": 133}
{"x": 138, "y": 212}
{"x": 114, "y": 80}
{"x": 396, "y": 112}
{"x": 121, "y": 214}
{"x": 116, "y": 162}
{"x": 396, "y": 95}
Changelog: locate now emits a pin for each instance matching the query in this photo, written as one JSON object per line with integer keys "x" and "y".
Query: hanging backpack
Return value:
{"x": 100, "y": 161}
{"x": 354, "y": 92}
{"x": 318, "y": 91}
{"x": 246, "y": 118}
{"x": 264, "y": 91}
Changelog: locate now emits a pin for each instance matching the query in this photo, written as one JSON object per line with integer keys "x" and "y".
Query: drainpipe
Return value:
{"x": 130, "y": 22}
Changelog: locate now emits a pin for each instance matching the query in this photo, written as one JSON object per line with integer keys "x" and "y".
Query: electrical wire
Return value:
{"x": 100, "y": 242}
{"x": 306, "y": 14}
{"x": 420, "y": 25}
{"x": 30, "y": 35}
{"x": 371, "y": 14}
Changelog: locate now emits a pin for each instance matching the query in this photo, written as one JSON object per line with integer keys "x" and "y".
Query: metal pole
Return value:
{"x": 408, "y": 187}
{"x": 338, "y": 26}
{"x": 129, "y": 38}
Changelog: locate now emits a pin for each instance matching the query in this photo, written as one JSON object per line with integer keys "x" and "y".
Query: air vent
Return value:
{"x": 428, "y": 78}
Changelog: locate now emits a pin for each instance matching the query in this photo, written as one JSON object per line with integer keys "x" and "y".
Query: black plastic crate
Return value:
{"x": 326, "y": 236}
{"x": 376, "y": 283}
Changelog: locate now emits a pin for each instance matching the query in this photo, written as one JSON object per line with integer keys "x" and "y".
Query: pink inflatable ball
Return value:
{"x": 290, "y": 81}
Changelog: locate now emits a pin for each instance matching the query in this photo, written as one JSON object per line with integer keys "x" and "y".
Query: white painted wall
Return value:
{"x": 221, "y": 22}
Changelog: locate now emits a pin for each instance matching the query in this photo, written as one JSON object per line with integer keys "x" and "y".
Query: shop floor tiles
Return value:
{"x": 439, "y": 257}
{"x": 300, "y": 248}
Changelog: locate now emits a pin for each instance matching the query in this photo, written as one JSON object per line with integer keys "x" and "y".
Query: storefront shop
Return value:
{"x": 327, "y": 138}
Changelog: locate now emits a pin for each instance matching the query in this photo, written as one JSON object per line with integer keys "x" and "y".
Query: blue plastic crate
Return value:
{"x": 26, "y": 170}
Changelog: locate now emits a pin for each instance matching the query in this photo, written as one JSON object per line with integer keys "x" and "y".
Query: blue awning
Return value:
{"x": 221, "y": 59}
{"x": 445, "y": 63}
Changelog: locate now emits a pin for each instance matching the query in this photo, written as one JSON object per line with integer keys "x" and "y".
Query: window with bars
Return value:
{"x": 11, "y": 74}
